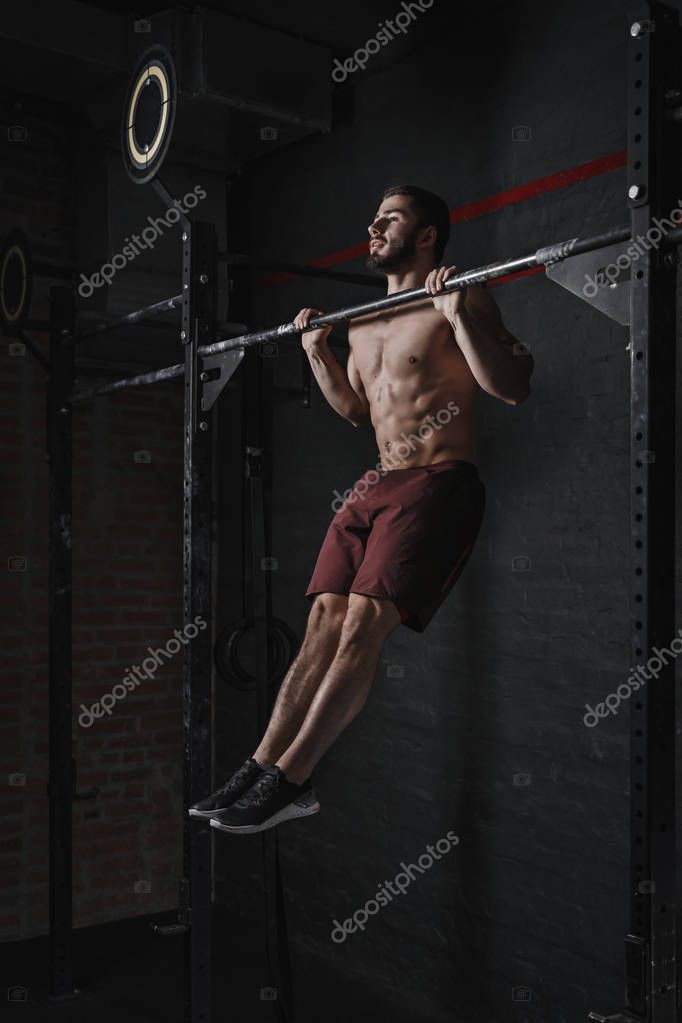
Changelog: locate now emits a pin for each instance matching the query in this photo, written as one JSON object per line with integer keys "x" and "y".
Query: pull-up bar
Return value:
{"x": 541, "y": 257}
{"x": 155, "y": 309}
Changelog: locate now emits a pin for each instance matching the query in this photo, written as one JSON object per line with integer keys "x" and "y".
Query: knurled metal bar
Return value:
{"x": 548, "y": 254}
{"x": 155, "y": 309}
{"x": 489, "y": 272}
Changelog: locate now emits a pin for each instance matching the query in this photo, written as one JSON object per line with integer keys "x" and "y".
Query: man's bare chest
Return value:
{"x": 399, "y": 348}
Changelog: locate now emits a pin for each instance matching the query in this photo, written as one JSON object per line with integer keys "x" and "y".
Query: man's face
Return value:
{"x": 393, "y": 235}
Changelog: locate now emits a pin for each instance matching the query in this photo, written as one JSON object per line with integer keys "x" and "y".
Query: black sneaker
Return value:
{"x": 240, "y": 782}
{"x": 270, "y": 800}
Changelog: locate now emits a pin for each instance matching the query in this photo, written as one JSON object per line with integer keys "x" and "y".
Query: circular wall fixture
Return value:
{"x": 149, "y": 115}
{"x": 16, "y": 283}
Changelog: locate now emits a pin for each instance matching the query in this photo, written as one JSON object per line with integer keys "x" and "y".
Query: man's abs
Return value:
{"x": 419, "y": 388}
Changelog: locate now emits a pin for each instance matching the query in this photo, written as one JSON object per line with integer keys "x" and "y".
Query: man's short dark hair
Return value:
{"x": 430, "y": 210}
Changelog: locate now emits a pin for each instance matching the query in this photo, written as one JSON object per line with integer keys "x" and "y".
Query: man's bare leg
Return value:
{"x": 345, "y": 687}
{"x": 304, "y": 676}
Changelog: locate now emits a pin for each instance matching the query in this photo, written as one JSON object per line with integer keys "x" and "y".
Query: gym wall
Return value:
{"x": 477, "y": 726}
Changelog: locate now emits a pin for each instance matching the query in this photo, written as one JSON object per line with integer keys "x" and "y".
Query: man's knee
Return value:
{"x": 328, "y": 611}
{"x": 369, "y": 616}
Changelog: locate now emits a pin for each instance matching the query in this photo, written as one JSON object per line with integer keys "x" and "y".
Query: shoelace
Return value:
{"x": 235, "y": 780}
{"x": 260, "y": 790}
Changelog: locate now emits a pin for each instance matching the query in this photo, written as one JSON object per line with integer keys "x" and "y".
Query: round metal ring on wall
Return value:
{"x": 16, "y": 283}
{"x": 149, "y": 115}
{"x": 282, "y": 643}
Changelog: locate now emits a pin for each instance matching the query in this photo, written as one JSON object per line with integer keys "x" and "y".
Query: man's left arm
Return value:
{"x": 501, "y": 365}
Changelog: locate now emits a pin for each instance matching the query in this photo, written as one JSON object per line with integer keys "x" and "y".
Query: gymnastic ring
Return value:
{"x": 16, "y": 283}
{"x": 282, "y": 646}
{"x": 149, "y": 114}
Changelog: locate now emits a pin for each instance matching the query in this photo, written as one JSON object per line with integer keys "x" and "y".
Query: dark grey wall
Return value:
{"x": 480, "y": 728}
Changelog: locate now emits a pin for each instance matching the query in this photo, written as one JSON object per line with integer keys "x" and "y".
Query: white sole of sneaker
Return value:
{"x": 203, "y": 813}
{"x": 303, "y": 807}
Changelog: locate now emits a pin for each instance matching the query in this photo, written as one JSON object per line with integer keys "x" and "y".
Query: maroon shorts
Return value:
{"x": 404, "y": 536}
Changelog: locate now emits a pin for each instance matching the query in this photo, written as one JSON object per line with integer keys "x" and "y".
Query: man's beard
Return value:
{"x": 394, "y": 258}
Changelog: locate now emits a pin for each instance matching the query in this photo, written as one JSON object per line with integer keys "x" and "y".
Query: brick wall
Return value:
{"x": 127, "y": 564}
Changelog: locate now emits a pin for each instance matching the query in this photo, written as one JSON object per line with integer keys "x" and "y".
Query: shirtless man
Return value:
{"x": 402, "y": 536}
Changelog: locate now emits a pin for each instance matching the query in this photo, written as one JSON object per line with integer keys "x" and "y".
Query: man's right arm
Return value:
{"x": 333, "y": 379}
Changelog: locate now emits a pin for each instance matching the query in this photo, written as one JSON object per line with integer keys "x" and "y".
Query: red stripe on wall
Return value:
{"x": 550, "y": 183}
{"x": 515, "y": 277}
{"x": 479, "y": 208}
